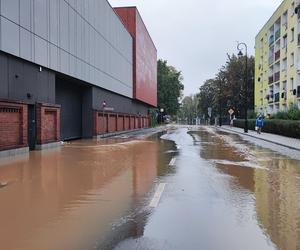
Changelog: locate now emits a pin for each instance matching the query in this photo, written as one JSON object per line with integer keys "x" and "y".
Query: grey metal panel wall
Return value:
{"x": 83, "y": 39}
{"x": 119, "y": 103}
{"x": 18, "y": 77}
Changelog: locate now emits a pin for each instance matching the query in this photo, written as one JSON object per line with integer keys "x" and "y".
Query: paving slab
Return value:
{"x": 292, "y": 143}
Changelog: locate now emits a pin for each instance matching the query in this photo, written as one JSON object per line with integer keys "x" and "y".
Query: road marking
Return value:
{"x": 172, "y": 162}
{"x": 156, "y": 198}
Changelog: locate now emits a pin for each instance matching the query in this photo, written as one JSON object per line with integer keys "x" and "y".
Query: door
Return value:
{"x": 31, "y": 127}
{"x": 69, "y": 96}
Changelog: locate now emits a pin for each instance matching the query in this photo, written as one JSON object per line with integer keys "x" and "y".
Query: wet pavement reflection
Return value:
{"x": 225, "y": 194}
{"x": 222, "y": 193}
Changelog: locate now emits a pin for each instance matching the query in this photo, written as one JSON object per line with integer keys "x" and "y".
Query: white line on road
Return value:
{"x": 156, "y": 198}
{"x": 172, "y": 162}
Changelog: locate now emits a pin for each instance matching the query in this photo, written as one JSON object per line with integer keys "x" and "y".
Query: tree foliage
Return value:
{"x": 170, "y": 87}
{"x": 227, "y": 90}
{"x": 189, "y": 109}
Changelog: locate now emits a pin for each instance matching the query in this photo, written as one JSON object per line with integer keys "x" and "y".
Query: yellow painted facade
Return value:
{"x": 277, "y": 61}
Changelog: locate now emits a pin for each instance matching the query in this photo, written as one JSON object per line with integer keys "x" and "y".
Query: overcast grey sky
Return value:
{"x": 195, "y": 35}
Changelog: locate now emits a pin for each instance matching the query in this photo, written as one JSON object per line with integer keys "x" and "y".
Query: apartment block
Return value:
{"x": 277, "y": 60}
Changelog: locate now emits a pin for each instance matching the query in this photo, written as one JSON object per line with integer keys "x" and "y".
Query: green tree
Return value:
{"x": 227, "y": 89}
{"x": 207, "y": 97}
{"x": 189, "y": 109}
{"x": 170, "y": 87}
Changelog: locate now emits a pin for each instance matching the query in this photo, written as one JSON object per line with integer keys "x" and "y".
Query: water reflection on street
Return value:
{"x": 273, "y": 181}
{"x": 222, "y": 193}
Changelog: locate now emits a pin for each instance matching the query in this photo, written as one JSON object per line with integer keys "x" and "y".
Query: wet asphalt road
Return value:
{"x": 221, "y": 192}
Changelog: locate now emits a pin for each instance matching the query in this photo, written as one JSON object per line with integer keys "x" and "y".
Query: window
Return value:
{"x": 292, "y": 34}
{"x": 261, "y": 43}
{"x": 292, "y": 59}
{"x": 292, "y": 84}
{"x": 285, "y": 19}
{"x": 266, "y": 38}
{"x": 284, "y": 64}
{"x": 292, "y": 9}
{"x": 284, "y": 43}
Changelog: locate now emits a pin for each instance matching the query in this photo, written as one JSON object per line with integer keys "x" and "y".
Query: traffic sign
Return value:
{"x": 231, "y": 111}
{"x": 209, "y": 111}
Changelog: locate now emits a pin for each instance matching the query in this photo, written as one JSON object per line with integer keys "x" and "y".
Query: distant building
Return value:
{"x": 71, "y": 69}
{"x": 277, "y": 61}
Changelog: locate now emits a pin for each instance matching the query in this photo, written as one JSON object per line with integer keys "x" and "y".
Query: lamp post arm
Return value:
{"x": 243, "y": 44}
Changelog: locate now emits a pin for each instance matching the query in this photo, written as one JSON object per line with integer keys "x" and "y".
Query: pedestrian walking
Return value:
{"x": 259, "y": 124}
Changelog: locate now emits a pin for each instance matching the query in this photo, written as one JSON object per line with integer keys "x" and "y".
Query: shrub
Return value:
{"x": 252, "y": 114}
{"x": 282, "y": 115}
{"x": 287, "y": 128}
{"x": 293, "y": 113}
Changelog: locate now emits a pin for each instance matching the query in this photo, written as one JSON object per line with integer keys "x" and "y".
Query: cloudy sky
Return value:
{"x": 195, "y": 35}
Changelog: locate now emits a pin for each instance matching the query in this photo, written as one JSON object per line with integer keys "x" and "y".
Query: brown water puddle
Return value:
{"x": 68, "y": 198}
{"x": 273, "y": 179}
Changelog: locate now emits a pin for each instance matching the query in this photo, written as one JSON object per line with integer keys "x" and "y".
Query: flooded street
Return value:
{"x": 221, "y": 193}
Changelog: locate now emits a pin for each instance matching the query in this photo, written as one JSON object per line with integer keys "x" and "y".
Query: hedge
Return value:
{"x": 287, "y": 128}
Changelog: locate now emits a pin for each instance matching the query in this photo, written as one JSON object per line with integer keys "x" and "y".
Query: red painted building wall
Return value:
{"x": 144, "y": 56}
{"x": 127, "y": 123}
{"x": 118, "y": 122}
{"x": 48, "y": 123}
{"x": 112, "y": 123}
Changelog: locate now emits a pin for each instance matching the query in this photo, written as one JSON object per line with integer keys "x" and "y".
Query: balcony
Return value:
{"x": 271, "y": 40}
{"x": 276, "y": 97}
{"x": 277, "y": 55}
{"x": 277, "y": 34}
{"x": 284, "y": 49}
{"x": 285, "y": 25}
{"x": 277, "y": 76}
{"x": 270, "y": 100}
{"x": 271, "y": 79}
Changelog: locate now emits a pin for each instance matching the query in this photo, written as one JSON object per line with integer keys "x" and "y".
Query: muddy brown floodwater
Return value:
{"x": 272, "y": 179}
{"x": 221, "y": 193}
{"x": 69, "y": 198}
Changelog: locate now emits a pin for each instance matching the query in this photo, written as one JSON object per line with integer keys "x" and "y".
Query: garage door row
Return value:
{"x": 76, "y": 117}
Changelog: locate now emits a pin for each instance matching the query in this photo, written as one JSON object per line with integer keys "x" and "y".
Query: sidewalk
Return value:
{"x": 288, "y": 142}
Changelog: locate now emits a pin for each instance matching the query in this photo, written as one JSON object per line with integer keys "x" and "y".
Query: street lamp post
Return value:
{"x": 240, "y": 54}
{"x": 103, "y": 108}
{"x": 161, "y": 115}
{"x": 220, "y": 102}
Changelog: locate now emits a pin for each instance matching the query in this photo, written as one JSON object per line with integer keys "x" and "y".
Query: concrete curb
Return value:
{"x": 14, "y": 152}
{"x": 259, "y": 138}
{"x": 108, "y": 135}
{"x": 52, "y": 145}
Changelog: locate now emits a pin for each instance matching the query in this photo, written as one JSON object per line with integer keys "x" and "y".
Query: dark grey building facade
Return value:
{"x": 74, "y": 54}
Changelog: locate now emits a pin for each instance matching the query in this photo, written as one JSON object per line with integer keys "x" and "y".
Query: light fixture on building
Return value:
{"x": 40, "y": 69}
